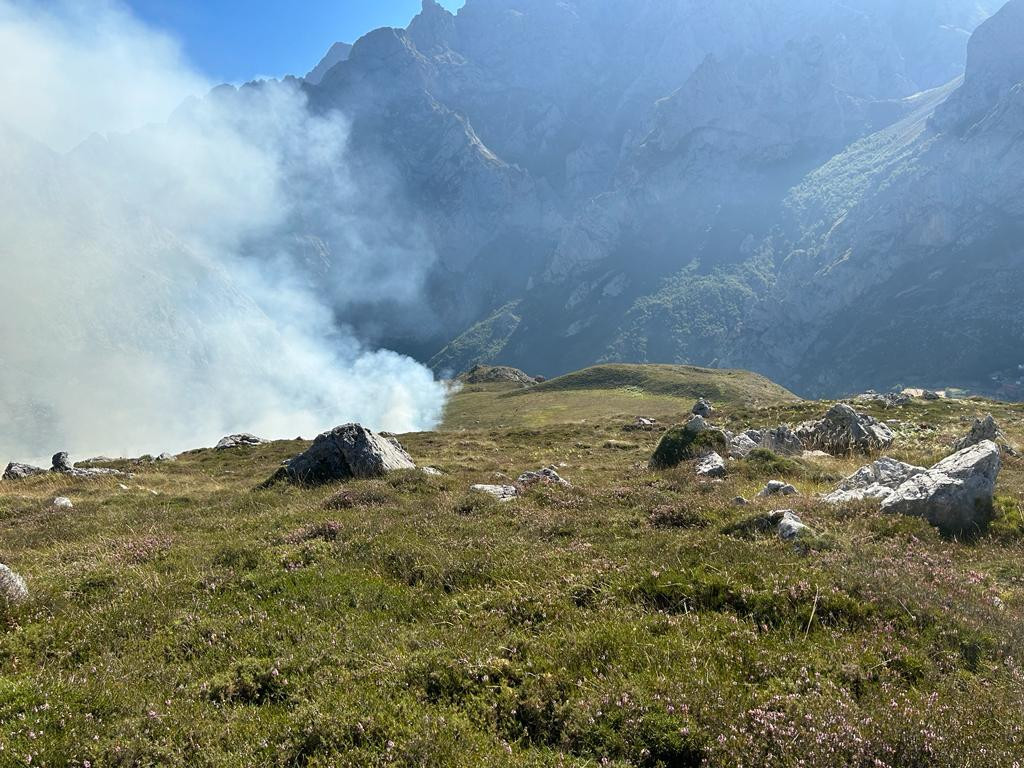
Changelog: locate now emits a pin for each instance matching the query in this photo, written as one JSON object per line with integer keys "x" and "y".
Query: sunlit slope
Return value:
{"x": 606, "y": 392}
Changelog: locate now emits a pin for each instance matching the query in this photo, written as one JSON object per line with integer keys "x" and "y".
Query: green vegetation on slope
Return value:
{"x": 663, "y": 392}
{"x": 636, "y": 619}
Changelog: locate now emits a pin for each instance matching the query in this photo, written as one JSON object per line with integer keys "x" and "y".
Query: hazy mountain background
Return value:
{"x": 808, "y": 188}
{"x": 825, "y": 192}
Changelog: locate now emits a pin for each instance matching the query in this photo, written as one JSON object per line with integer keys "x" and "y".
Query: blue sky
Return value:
{"x": 233, "y": 41}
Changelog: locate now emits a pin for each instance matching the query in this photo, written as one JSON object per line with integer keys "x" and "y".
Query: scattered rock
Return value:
{"x": 789, "y": 525}
{"x": 238, "y": 441}
{"x": 17, "y": 471}
{"x": 433, "y": 471}
{"x": 703, "y": 408}
{"x": 695, "y": 440}
{"x": 740, "y": 501}
{"x": 777, "y": 488}
{"x": 62, "y": 502}
{"x": 548, "y": 475}
{"x": 844, "y": 431}
{"x": 875, "y": 481}
{"x": 346, "y": 452}
{"x": 12, "y": 586}
{"x": 888, "y": 400}
{"x": 497, "y": 374}
{"x": 165, "y": 457}
{"x": 711, "y": 465}
{"x": 956, "y": 494}
{"x": 641, "y": 424}
{"x": 500, "y": 492}
{"x": 929, "y": 395}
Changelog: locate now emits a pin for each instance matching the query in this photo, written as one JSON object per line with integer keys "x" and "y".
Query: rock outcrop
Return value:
{"x": 981, "y": 430}
{"x": 346, "y": 452}
{"x": 239, "y": 441}
{"x": 878, "y": 480}
{"x": 844, "y": 431}
{"x": 16, "y": 471}
{"x": 789, "y": 525}
{"x": 955, "y": 495}
{"x": 63, "y": 465}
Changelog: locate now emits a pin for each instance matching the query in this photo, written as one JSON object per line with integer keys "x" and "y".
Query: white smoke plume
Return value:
{"x": 154, "y": 292}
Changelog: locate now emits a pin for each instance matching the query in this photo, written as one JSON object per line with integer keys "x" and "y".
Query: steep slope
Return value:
{"x": 910, "y": 243}
{"x": 567, "y": 155}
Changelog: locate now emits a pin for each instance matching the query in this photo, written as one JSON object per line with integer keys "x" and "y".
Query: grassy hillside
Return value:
{"x": 632, "y": 620}
{"x": 609, "y": 391}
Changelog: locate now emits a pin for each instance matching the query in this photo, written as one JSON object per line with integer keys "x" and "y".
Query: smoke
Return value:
{"x": 160, "y": 255}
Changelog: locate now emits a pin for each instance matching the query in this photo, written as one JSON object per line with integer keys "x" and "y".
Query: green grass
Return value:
{"x": 636, "y": 619}
{"x": 609, "y": 392}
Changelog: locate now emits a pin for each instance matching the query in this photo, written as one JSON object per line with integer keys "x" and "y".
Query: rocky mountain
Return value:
{"x": 651, "y": 181}
{"x": 338, "y": 53}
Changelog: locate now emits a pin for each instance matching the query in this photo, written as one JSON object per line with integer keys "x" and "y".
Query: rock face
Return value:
{"x": 547, "y": 475}
{"x": 17, "y": 471}
{"x": 500, "y": 492}
{"x": 981, "y": 430}
{"x": 712, "y": 466}
{"x": 875, "y": 481}
{"x": 956, "y": 494}
{"x": 703, "y": 408}
{"x": 237, "y": 441}
{"x": 844, "y": 431}
{"x": 346, "y": 452}
{"x": 12, "y": 586}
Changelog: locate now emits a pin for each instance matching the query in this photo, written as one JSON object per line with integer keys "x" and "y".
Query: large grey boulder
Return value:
{"x": 12, "y": 586}
{"x": 16, "y": 471}
{"x": 500, "y": 492}
{"x": 844, "y": 431}
{"x": 956, "y": 494}
{"x": 346, "y": 452}
{"x": 877, "y": 480}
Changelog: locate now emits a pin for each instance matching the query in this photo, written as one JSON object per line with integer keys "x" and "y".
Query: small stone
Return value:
{"x": 778, "y": 488}
{"x": 62, "y": 502}
{"x": 548, "y": 475}
{"x": 500, "y": 492}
